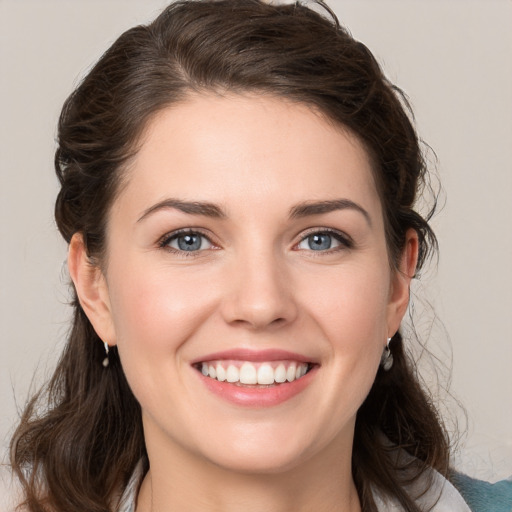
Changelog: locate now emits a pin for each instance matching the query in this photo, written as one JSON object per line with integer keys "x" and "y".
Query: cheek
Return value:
{"x": 348, "y": 308}
{"x": 351, "y": 305}
{"x": 352, "y": 316}
{"x": 154, "y": 315}
{"x": 154, "y": 310}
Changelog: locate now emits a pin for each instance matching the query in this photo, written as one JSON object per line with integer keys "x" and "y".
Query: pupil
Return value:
{"x": 320, "y": 242}
{"x": 189, "y": 242}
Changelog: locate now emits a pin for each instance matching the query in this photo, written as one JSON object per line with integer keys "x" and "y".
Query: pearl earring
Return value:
{"x": 106, "y": 360}
{"x": 386, "y": 361}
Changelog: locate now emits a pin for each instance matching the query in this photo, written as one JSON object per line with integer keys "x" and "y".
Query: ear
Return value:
{"x": 91, "y": 288}
{"x": 401, "y": 281}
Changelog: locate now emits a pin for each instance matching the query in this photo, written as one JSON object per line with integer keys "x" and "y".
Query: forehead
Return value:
{"x": 237, "y": 149}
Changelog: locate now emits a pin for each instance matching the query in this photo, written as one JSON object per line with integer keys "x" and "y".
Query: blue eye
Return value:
{"x": 187, "y": 242}
{"x": 321, "y": 241}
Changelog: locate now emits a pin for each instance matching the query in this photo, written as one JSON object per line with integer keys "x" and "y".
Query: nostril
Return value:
{"x": 256, "y": 323}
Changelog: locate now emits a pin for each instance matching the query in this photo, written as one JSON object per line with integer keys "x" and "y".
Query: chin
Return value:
{"x": 262, "y": 463}
{"x": 266, "y": 453}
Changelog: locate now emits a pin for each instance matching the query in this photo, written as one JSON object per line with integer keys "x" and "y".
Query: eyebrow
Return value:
{"x": 190, "y": 207}
{"x": 316, "y": 208}
{"x": 212, "y": 210}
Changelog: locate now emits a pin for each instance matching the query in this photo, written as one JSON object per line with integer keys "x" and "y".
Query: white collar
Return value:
{"x": 441, "y": 496}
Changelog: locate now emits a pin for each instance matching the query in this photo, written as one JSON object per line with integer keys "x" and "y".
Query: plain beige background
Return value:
{"x": 454, "y": 60}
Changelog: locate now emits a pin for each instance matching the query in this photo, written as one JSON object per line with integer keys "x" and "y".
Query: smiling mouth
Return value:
{"x": 246, "y": 373}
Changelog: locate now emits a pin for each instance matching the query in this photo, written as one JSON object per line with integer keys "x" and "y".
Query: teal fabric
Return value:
{"x": 483, "y": 496}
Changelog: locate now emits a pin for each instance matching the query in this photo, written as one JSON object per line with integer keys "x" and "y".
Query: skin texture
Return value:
{"x": 254, "y": 284}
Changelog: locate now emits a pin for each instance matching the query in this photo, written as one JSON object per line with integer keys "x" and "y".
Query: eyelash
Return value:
{"x": 345, "y": 241}
{"x": 169, "y": 237}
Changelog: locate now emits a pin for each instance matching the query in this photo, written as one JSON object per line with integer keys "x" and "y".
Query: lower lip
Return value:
{"x": 258, "y": 396}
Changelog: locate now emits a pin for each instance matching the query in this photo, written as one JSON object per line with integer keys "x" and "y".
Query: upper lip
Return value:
{"x": 244, "y": 354}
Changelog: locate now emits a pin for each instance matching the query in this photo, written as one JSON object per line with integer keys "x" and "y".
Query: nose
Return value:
{"x": 260, "y": 293}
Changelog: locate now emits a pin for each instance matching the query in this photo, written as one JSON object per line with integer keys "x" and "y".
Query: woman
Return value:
{"x": 237, "y": 192}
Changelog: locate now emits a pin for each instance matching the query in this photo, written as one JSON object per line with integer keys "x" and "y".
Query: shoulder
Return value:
{"x": 431, "y": 491}
{"x": 483, "y": 496}
{"x": 10, "y": 491}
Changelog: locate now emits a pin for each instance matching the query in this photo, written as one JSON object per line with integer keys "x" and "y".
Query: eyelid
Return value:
{"x": 164, "y": 240}
{"x": 344, "y": 239}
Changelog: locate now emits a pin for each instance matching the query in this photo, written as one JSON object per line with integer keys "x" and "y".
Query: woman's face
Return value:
{"x": 248, "y": 244}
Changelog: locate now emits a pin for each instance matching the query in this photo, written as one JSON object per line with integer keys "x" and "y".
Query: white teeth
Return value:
{"x": 232, "y": 374}
{"x": 248, "y": 374}
{"x": 221, "y": 373}
{"x": 290, "y": 373}
{"x": 254, "y": 373}
{"x": 265, "y": 374}
{"x": 280, "y": 374}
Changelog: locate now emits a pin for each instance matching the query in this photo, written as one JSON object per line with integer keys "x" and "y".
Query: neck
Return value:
{"x": 185, "y": 482}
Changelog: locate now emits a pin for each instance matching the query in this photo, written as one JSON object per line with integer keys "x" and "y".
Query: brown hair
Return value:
{"x": 80, "y": 438}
